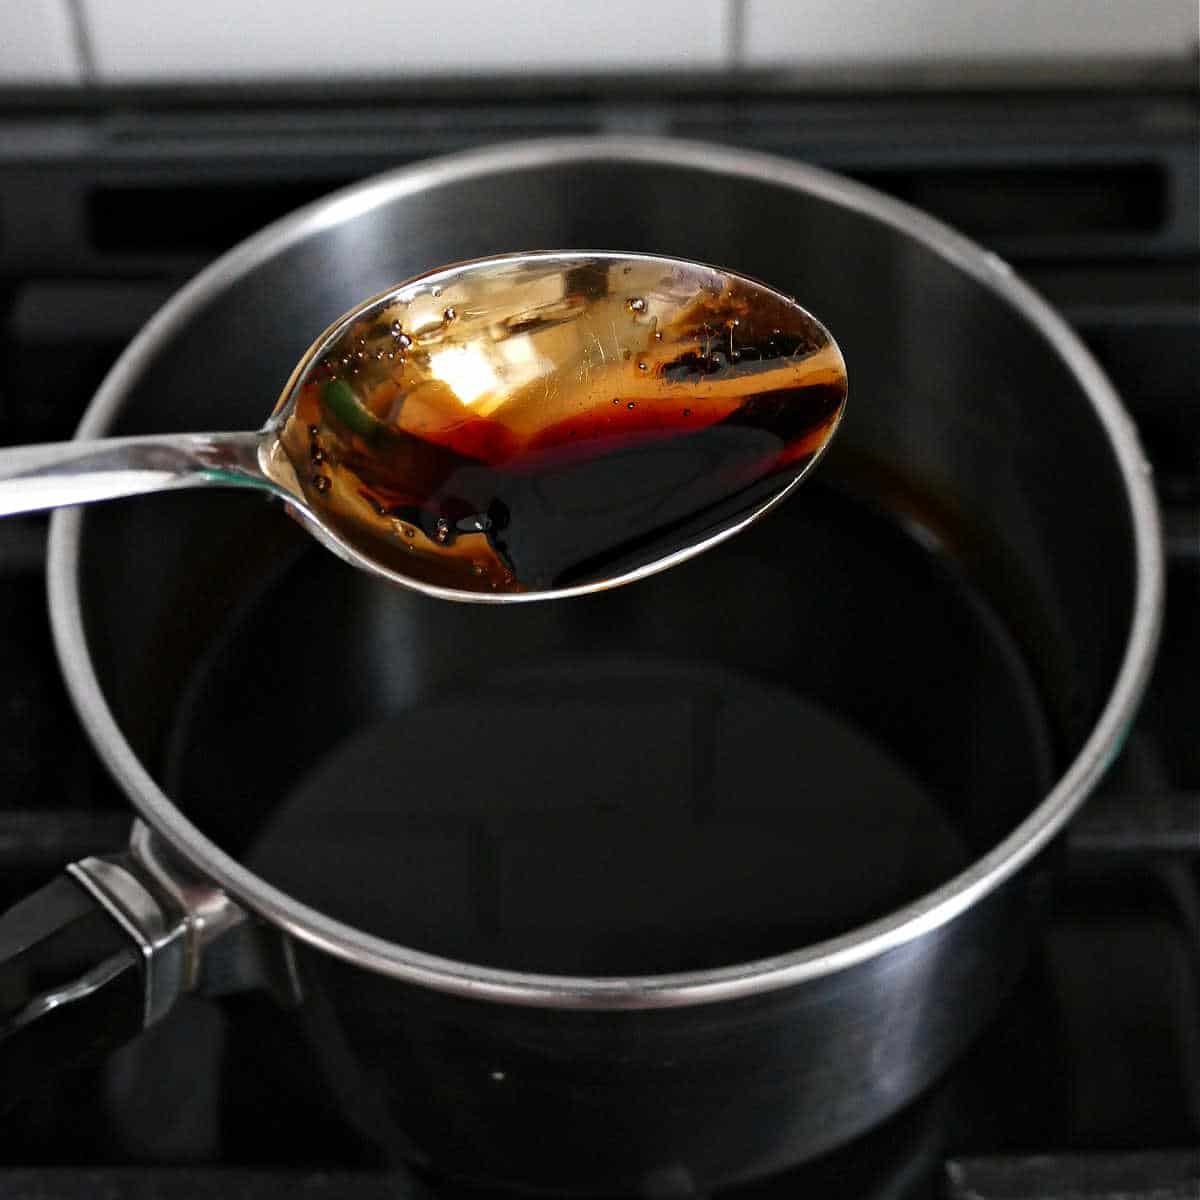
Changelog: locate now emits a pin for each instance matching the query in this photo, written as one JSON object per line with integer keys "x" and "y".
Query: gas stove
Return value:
{"x": 1087, "y": 1084}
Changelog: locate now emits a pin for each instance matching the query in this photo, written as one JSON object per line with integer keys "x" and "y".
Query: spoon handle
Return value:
{"x": 61, "y": 473}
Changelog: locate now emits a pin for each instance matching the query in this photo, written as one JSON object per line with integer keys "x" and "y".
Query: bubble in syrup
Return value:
{"x": 636, "y": 304}
{"x": 616, "y": 400}
{"x": 643, "y": 365}
{"x": 409, "y": 531}
{"x": 437, "y": 291}
{"x": 316, "y": 454}
{"x": 476, "y": 568}
{"x": 321, "y": 483}
{"x": 631, "y": 405}
{"x": 658, "y": 335}
{"x": 346, "y": 361}
{"x": 443, "y": 530}
{"x": 379, "y": 356}
{"x": 313, "y": 430}
{"x": 360, "y": 355}
{"x": 687, "y": 412}
{"x": 449, "y": 315}
{"x": 391, "y": 354}
{"x": 627, "y": 271}
{"x": 403, "y": 341}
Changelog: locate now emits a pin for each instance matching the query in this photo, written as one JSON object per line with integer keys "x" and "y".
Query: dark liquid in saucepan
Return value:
{"x": 734, "y": 758}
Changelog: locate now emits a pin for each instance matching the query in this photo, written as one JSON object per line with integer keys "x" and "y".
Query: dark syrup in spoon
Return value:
{"x": 566, "y": 426}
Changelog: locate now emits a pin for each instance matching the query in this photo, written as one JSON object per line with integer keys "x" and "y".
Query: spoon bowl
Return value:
{"x": 519, "y": 428}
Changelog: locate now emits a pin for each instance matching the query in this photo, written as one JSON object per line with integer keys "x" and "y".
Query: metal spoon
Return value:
{"x": 516, "y": 428}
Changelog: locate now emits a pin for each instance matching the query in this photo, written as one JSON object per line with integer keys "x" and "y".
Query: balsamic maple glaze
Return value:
{"x": 538, "y": 426}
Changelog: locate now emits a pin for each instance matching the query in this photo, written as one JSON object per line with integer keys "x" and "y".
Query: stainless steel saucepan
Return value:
{"x": 766, "y": 861}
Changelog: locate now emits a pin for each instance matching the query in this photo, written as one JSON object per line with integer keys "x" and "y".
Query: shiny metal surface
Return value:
{"x": 225, "y": 951}
{"x": 937, "y": 282}
{"x": 106, "y": 949}
{"x": 515, "y": 351}
{"x": 74, "y": 991}
{"x": 159, "y": 933}
{"x": 65, "y": 473}
{"x": 1021, "y": 469}
{"x": 517, "y": 346}
{"x": 85, "y": 963}
{"x": 46, "y": 974}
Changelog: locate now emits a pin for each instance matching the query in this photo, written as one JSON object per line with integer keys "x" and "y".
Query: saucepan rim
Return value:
{"x": 921, "y": 916}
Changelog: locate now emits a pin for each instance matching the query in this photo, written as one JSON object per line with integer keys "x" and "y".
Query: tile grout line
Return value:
{"x": 82, "y": 39}
{"x": 735, "y": 32}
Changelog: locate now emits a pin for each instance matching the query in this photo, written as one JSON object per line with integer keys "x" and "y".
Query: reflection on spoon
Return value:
{"x": 515, "y": 428}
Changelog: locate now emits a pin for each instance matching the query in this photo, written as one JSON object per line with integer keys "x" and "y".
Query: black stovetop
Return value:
{"x": 1088, "y": 1083}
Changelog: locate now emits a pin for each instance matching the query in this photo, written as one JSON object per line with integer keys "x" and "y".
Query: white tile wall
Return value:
{"x": 819, "y": 32}
{"x": 221, "y": 40}
{"x": 37, "y": 43}
{"x": 214, "y": 40}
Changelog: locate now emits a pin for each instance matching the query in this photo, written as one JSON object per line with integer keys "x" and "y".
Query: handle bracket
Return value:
{"x": 158, "y": 931}
{"x": 105, "y": 949}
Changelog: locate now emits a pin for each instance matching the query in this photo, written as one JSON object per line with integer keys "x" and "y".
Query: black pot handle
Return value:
{"x": 107, "y": 948}
{"x": 85, "y": 963}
